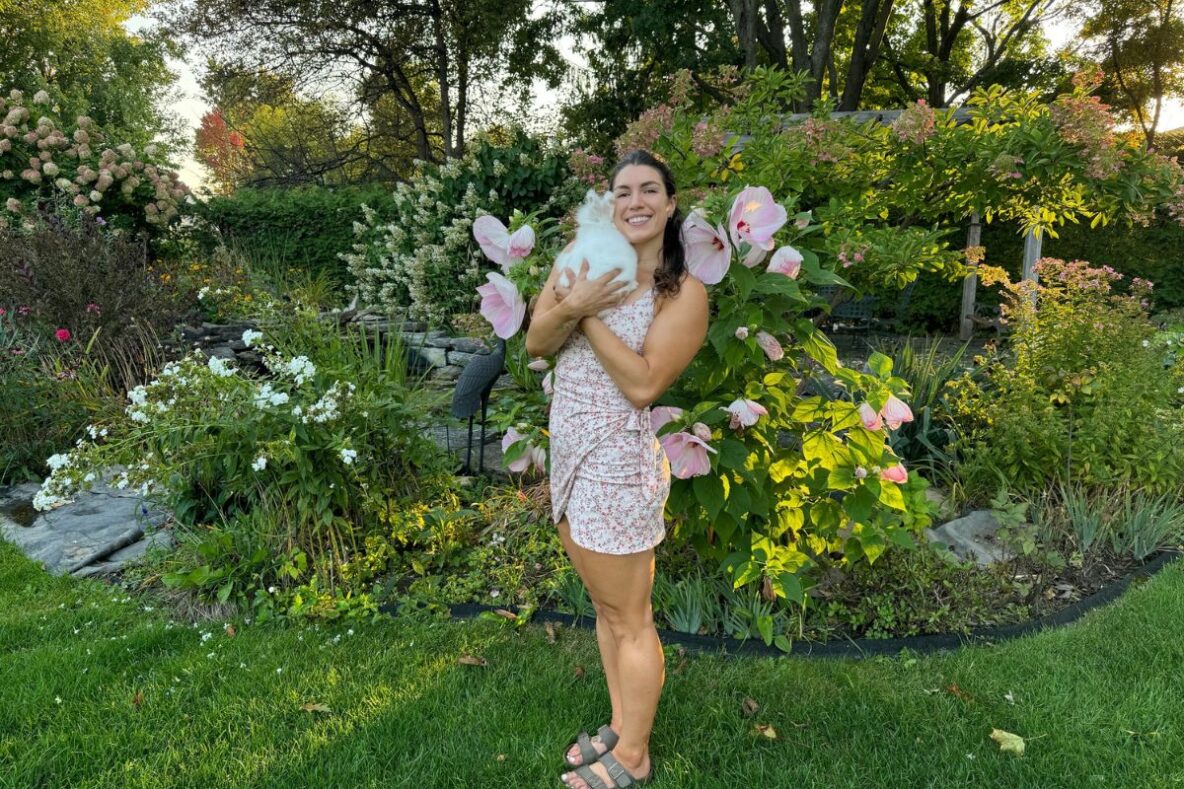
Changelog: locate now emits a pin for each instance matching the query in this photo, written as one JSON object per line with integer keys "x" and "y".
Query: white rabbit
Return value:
{"x": 600, "y": 243}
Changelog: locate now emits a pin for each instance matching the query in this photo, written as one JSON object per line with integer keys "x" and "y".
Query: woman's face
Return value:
{"x": 641, "y": 206}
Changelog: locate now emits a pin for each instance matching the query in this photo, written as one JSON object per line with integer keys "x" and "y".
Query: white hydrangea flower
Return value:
{"x": 348, "y": 456}
{"x": 302, "y": 369}
{"x": 250, "y": 336}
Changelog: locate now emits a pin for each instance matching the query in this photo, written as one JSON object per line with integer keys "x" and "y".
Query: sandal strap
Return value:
{"x": 621, "y": 777}
{"x": 593, "y": 780}
{"x": 588, "y": 752}
{"x": 608, "y": 736}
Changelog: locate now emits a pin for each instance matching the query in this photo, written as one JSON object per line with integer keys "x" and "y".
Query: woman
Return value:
{"x": 609, "y": 476}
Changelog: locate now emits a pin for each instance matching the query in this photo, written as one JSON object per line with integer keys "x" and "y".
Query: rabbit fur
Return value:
{"x": 600, "y": 243}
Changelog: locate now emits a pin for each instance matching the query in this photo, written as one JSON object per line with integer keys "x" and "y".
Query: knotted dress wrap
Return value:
{"x": 608, "y": 471}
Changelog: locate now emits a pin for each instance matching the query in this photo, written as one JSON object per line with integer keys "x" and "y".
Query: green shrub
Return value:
{"x": 283, "y": 229}
{"x": 1083, "y": 396}
{"x": 420, "y": 255}
{"x": 276, "y": 482}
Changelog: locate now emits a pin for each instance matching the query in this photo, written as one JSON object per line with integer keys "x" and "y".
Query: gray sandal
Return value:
{"x": 588, "y": 752}
{"x": 621, "y": 777}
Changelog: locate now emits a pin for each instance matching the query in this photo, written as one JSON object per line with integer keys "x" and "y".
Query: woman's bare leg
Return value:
{"x": 604, "y": 639}
{"x": 622, "y": 586}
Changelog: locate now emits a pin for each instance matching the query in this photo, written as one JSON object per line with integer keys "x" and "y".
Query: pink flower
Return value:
{"x": 742, "y": 333}
{"x": 549, "y": 383}
{"x": 702, "y": 431}
{"x": 770, "y": 346}
{"x": 92, "y": 307}
{"x": 802, "y": 221}
{"x": 787, "y": 261}
{"x": 896, "y": 474}
{"x": 3, "y": 312}
{"x": 502, "y": 305}
{"x": 860, "y": 472}
{"x": 754, "y": 218}
{"x": 895, "y": 412}
{"x": 871, "y": 420}
{"x": 523, "y": 461}
{"x": 538, "y": 458}
{"x": 687, "y": 454}
{"x": 745, "y": 413}
{"x": 62, "y": 334}
{"x": 497, "y": 243}
{"x": 707, "y": 248}
{"x": 662, "y": 414}
{"x": 539, "y": 365}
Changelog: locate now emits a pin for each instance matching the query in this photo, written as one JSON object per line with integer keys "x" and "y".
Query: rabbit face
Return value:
{"x": 641, "y": 205}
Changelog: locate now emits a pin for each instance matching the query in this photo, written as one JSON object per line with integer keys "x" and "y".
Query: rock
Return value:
{"x": 460, "y": 358}
{"x": 439, "y": 342}
{"x": 971, "y": 537}
{"x": 449, "y": 372}
{"x": 221, "y": 351}
{"x": 469, "y": 345}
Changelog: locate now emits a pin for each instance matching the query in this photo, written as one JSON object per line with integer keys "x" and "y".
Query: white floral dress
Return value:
{"x": 608, "y": 471}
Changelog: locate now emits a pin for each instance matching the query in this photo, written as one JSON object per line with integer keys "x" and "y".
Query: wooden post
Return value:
{"x": 1031, "y": 255}
{"x": 970, "y": 283}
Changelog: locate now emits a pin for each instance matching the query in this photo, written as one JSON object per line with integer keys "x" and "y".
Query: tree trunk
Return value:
{"x": 869, "y": 35}
{"x": 744, "y": 12}
{"x": 442, "y": 79}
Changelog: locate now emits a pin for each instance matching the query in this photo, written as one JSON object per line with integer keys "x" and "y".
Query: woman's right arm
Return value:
{"x": 555, "y": 318}
{"x": 551, "y": 322}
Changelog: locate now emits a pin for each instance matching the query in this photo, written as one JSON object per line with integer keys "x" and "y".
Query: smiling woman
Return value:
{"x": 609, "y": 475}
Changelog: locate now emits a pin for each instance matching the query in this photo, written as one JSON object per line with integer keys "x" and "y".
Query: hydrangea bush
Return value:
{"x": 45, "y": 157}
{"x": 422, "y": 259}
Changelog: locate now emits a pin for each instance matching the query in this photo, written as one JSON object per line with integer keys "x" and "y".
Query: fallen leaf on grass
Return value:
{"x": 550, "y": 628}
{"x": 579, "y": 672}
{"x": 766, "y": 730}
{"x": 230, "y": 631}
{"x": 749, "y": 707}
{"x": 506, "y": 614}
{"x": 313, "y": 706}
{"x": 1010, "y": 697}
{"x": 138, "y": 699}
{"x": 501, "y": 757}
{"x": 472, "y": 660}
{"x": 1008, "y": 742}
{"x": 958, "y": 693}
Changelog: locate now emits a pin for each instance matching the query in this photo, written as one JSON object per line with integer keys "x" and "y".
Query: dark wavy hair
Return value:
{"x": 668, "y": 277}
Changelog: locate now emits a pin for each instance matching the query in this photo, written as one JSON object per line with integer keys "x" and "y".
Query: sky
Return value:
{"x": 190, "y": 105}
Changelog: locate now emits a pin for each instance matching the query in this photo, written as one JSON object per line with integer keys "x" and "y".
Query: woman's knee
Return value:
{"x": 627, "y": 622}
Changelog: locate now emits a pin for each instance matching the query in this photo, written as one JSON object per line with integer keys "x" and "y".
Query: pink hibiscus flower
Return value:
{"x": 787, "y": 261}
{"x": 896, "y": 412}
{"x": 502, "y": 305}
{"x": 745, "y": 413}
{"x": 687, "y": 454}
{"x": 754, "y": 218}
{"x": 897, "y": 474}
{"x": 707, "y": 248}
{"x": 770, "y": 346}
{"x": 498, "y": 244}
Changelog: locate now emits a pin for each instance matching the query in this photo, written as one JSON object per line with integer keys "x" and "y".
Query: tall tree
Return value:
{"x": 427, "y": 55}
{"x": 82, "y": 53}
{"x": 1140, "y": 45}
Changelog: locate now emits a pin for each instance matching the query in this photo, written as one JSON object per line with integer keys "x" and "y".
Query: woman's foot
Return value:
{"x": 613, "y": 770}
{"x": 601, "y": 742}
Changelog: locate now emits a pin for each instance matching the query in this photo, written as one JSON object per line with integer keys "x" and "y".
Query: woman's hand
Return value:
{"x": 585, "y": 296}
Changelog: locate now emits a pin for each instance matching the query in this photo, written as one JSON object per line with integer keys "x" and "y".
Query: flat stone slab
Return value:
{"x": 93, "y": 520}
{"x": 971, "y": 537}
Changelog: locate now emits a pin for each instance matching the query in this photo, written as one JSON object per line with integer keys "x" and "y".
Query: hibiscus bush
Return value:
{"x": 774, "y": 481}
{"x": 45, "y": 158}
{"x": 277, "y": 483}
{"x": 420, "y": 258}
{"x": 1084, "y": 394}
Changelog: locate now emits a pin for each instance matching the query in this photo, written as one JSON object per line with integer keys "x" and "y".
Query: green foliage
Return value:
{"x": 421, "y": 256}
{"x": 282, "y": 230}
{"x": 276, "y": 482}
{"x": 1082, "y": 397}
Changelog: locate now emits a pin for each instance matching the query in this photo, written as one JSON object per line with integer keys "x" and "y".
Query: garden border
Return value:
{"x": 863, "y": 647}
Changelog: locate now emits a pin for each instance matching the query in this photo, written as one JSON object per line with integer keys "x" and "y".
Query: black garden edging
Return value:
{"x": 863, "y": 647}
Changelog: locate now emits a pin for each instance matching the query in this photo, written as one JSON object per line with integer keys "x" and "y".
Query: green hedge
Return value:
{"x": 1155, "y": 253}
{"x": 302, "y": 228}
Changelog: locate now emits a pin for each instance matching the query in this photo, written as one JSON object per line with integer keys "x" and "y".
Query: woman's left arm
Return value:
{"x": 673, "y": 339}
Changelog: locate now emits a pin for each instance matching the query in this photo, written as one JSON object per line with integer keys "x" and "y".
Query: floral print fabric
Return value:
{"x": 608, "y": 471}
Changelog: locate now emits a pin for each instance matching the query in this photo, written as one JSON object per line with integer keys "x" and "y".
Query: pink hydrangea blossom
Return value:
{"x": 502, "y": 305}
{"x": 707, "y": 249}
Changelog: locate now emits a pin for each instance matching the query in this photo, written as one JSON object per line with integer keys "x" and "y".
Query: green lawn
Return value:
{"x": 96, "y": 691}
